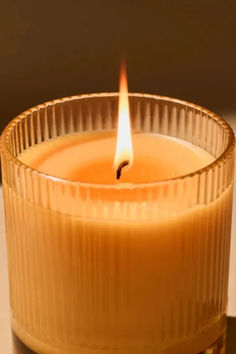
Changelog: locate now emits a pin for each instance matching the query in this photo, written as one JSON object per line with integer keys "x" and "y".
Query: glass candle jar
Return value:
{"x": 118, "y": 268}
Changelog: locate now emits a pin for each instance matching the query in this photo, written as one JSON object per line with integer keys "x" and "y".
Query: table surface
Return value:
{"x": 5, "y": 334}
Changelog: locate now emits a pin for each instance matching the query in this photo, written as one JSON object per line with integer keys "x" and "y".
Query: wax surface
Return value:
{"x": 89, "y": 158}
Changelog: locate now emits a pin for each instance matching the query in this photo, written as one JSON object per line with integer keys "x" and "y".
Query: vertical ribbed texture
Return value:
{"x": 132, "y": 269}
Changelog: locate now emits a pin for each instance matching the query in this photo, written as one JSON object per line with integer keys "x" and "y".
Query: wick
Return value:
{"x": 119, "y": 169}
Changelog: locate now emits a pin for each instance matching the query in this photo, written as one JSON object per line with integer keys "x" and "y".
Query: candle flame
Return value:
{"x": 124, "y": 150}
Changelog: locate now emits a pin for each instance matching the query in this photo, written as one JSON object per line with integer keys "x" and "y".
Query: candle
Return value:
{"x": 134, "y": 262}
{"x": 108, "y": 284}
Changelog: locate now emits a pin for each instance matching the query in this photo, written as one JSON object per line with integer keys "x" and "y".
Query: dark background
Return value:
{"x": 50, "y": 49}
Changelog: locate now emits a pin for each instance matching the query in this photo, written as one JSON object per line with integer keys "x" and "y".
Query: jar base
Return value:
{"x": 218, "y": 347}
{"x": 19, "y": 347}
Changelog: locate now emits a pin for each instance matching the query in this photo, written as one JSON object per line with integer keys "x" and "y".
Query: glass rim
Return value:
{"x": 4, "y": 140}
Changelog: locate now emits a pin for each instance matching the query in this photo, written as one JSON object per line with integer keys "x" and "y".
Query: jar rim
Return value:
{"x": 4, "y": 145}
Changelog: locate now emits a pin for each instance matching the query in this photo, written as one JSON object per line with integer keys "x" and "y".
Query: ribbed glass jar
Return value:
{"x": 80, "y": 254}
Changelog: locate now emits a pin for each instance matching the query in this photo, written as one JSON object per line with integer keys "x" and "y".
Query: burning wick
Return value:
{"x": 119, "y": 169}
{"x": 124, "y": 150}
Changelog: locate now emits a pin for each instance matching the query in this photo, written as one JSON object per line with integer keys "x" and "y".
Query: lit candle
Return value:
{"x": 98, "y": 157}
{"x": 89, "y": 279}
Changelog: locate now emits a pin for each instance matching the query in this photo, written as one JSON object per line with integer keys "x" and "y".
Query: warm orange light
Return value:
{"x": 124, "y": 150}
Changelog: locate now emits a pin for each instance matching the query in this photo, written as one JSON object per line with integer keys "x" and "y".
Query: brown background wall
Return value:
{"x": 50, "y": 49}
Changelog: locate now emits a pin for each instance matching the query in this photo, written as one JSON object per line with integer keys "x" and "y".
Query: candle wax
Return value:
{"x": 89, "y": 158}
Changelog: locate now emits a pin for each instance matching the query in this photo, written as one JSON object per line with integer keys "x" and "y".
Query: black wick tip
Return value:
{"x": 119, "y": 169}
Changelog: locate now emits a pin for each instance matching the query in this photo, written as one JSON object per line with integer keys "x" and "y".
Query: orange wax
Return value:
{"x": 89, "y": 158}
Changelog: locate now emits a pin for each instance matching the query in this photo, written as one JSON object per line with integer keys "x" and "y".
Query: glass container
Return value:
{"x": 80, "y": 254}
